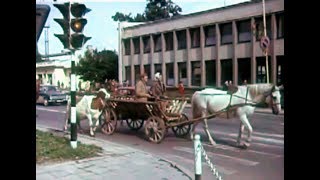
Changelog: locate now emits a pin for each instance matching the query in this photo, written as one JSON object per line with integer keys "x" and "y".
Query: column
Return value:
{"x": 234, "y": 59}
{"x": 163, "y": 65}
{"x": 203, "y": 64}
{"x": 175, "y": 63}
{"x": 218, "y": 64}
{"x": 253, "y": 55}
{"x": 151, "y": 57}
{"x": 188, "y": 57}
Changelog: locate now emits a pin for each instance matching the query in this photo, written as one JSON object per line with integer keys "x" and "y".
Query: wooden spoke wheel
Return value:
{"x": 135, "y": 124}
{"x": 109, "y": 119}
{"x": 182, "y": 130}
{"x": 155, "y": 129}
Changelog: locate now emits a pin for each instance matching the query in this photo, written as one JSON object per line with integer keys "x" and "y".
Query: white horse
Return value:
{"x": 88, "y": 107}
{"x": 240, "y": 104}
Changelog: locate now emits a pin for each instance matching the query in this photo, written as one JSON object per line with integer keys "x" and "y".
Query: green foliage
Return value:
{"x": 97, "y": 66}
{"x": 155, "y": 9}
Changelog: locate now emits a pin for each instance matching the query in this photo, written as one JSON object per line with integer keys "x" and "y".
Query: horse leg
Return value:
{"x": 205, "y": 127}
{"x": 240, "y": 134}
{"x": 90, "y": 124}
{"x": 245, "y": 121}
{"x": 193, "y": 129}
{"x": 96, "y": 125}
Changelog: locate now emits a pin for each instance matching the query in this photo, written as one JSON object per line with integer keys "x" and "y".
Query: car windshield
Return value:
{"x": 51, "y": 88}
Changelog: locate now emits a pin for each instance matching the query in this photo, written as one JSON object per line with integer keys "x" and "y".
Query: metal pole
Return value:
{"x": 197, "y": 157}
{"x": 265, "y": 34}
{"x": 73, "y": 129}
{"x": 120, "y": 63}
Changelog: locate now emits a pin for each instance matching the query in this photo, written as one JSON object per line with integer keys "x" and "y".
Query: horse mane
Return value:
{"x": 258, "y": 91}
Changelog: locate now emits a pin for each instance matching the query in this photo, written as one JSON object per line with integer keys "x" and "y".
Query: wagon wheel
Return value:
{"x": 135, "y": 124}
{"x": 182, "y": 130}
{"x": 155, "y": 129}
{"x": 109, "y": 119}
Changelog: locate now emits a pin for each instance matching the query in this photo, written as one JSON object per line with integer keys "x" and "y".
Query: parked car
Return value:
{"x": 51, "y": 94}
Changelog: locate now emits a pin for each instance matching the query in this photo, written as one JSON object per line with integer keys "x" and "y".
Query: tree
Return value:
{"x": 97, "y": 66}
{"x": 155, "y": 10}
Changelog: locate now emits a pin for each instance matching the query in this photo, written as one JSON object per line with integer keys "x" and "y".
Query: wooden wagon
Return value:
{"x": 158, "y": 119}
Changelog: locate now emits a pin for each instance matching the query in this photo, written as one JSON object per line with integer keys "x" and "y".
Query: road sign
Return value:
{"x": 264, "y": 43}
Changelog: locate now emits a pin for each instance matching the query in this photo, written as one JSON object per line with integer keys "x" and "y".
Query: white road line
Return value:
{"x": 269, "y": 140}
{"x": 268, "y": 134}
{"x": 51, "y": 110}
{"x": 220, "y": 169}
{"x": 216, "y": 155}
{"x": 254, "y": 143}
{"x": 235, "y": 149}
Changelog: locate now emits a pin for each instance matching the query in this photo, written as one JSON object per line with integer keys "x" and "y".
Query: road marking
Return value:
{"x": 269, "y": 140}
{"x": 51, "y": 110}
{"x": 220, "y": 169}
{"x": 235, "y": 149}
{"x": 216, "y": 156}
{"x": 252, "y": 143}
{"x": 269, "y": 134}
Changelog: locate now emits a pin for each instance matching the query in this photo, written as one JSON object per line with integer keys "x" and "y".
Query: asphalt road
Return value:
{"x": 264, "y": 159}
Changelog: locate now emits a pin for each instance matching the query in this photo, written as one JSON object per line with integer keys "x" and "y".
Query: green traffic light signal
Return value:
{"x": 78, "y": 40}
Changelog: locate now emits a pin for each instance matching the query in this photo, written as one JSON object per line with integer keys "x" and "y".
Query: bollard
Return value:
{"x": 197, "y": 157}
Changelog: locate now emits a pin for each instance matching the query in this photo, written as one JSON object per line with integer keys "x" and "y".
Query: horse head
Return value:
{"x": 273, "y": 98}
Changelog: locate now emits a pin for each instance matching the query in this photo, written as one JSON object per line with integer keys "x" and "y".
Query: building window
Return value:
{"x": 146, "y": 44}
{"x": 137, "y": 72}
{"x": 158, "y": 68}
{"x": 195, "y": 37}
{"x": 182, "y": 72}
{"x": 244, "y": 70}
{"x": 280, "y": 25}
{"x": 262, "y": 70}
{"x": 244, "y": 31}
{"x": 196, "y": 73}
{"x": 169, "y": 74}
{"x": 259, "y": 27}
{"x": 128, "y": 73}
{"x": 182, "y": 39}
{"x": 169, "y": 41}
{"x": 226, "y": 70}
{"x": 157, "y": 42}
{"x": 211, "y": 73}
{"x": 210, "y": 35}
{"x": 126, "y": 46}
{"x": 136, "y": 44}
{"x": 226, "y": 33}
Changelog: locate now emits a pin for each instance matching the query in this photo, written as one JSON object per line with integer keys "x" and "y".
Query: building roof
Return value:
{"x": 196, "y": 13}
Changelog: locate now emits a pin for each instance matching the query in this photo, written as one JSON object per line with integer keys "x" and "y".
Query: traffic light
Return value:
{"x": 73, "y": 38}
{"x": 78, "y": 39}
{"x": 64, "y": 23}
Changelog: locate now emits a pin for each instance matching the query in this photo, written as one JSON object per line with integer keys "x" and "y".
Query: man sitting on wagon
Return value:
{"x": 141, "y": 88}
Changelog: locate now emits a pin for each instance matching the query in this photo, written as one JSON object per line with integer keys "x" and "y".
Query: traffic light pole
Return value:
{"x": 73, "y": 139}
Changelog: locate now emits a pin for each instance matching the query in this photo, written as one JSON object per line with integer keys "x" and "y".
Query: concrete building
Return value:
{"x": 207, "y": 48}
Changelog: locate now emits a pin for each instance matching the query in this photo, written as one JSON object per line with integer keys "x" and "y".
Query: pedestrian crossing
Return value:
{"x": 228, "y": 159}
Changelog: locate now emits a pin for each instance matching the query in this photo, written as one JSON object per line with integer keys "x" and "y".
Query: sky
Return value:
{"x": 100, "y": 25}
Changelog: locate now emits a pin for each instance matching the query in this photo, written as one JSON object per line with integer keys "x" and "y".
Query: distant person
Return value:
{"x": 158, "y": 88}
{"x": 181, "y": 89}
{"x": 141, "y": 88}
{"x": 244, "y": 82}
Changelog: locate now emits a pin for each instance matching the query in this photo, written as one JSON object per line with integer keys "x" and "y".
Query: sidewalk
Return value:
{"x": 257, "y": 110}
{"x": 117, "y": 162}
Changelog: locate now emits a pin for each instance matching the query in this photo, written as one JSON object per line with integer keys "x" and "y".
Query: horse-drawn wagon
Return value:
{"x": 158, "y": 118}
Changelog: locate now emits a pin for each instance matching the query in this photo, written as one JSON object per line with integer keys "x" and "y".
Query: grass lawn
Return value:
{"x": 54, "y": 148}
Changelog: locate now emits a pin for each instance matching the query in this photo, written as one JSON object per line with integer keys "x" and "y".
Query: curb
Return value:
{"x": 81, "y": 136}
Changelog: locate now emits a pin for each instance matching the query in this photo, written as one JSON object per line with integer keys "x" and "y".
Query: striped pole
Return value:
{"x": 197, "y": 157}
{"x": 73, "y": 139}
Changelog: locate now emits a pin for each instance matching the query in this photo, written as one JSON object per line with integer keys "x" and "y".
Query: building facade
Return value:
{"x": 205, "y": 49}
{"x": 55, "y": 72}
